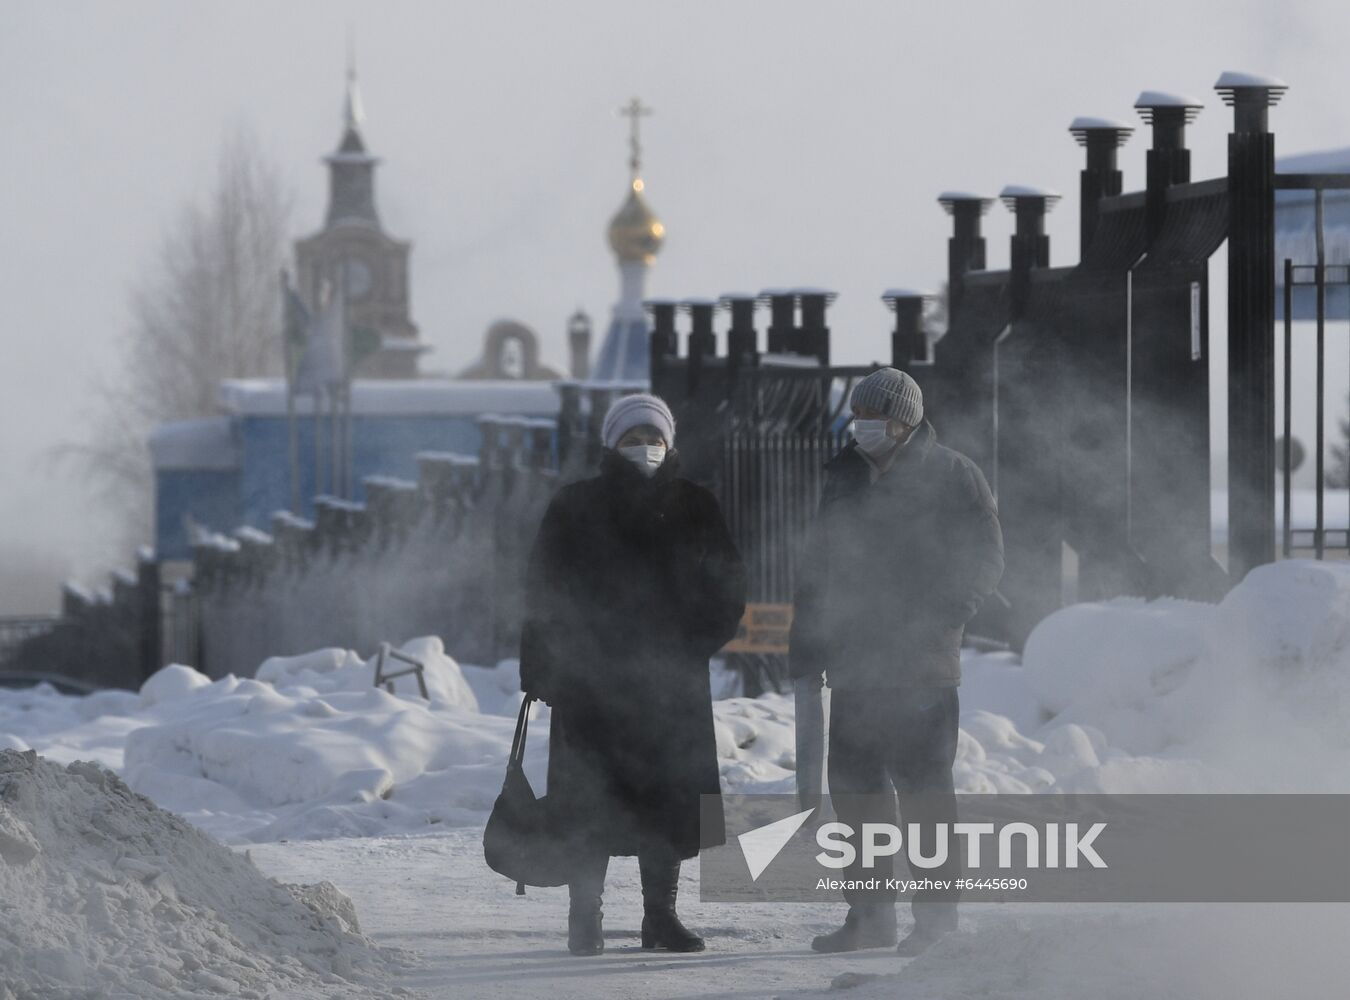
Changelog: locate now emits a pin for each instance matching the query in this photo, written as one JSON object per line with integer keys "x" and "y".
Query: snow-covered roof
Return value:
{"x": 903, "y": 293}
{"x": 1323, "y": 161}
{"x": 206, "y": 443}
{"x": 730, "y": 296}
{"x": 399, "y": 397}
{"x": 698, "y": 301}
{"x": 962, "y": 196}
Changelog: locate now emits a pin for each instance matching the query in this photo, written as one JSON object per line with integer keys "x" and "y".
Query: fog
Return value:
{"x": 792, "y": 143}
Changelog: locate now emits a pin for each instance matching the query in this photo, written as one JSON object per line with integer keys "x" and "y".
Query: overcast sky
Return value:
{"x": 793, "y": 143}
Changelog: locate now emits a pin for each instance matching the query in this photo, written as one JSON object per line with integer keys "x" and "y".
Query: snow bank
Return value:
{"x": 1250, "y": 694}
{"x": 315, "y": 750}
{"x": 106, "y": 894}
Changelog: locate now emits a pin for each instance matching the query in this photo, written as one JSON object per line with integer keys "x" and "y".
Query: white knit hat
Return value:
{"x": 628, "y": 412}
{"x": 891, "y": 392}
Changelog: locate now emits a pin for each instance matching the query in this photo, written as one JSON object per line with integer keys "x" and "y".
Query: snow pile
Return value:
{"x": 1250, "y": 694}
{"x": 107, "y": 895}
{"x": 319, "y": 752}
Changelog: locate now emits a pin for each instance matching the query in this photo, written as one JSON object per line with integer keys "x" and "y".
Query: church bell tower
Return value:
{"x": 353, "y": 255}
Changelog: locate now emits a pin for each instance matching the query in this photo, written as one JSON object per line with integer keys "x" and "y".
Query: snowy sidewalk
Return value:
{"x": 434, "y": 896}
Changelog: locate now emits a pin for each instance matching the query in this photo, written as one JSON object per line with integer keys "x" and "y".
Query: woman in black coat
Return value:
{"x": 632, "y": 584}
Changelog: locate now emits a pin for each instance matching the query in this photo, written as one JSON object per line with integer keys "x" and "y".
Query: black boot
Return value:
{"x": 585, "y": 927}
{"x": 864, "y": 927}
{"x": 661, "y": 928}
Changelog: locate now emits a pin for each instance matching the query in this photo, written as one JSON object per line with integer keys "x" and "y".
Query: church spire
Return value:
{"x": 353, "y": 114}
{"x": 351, "y": 169}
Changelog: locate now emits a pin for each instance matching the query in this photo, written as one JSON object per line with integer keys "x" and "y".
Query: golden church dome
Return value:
{"x": 635, "y": 233}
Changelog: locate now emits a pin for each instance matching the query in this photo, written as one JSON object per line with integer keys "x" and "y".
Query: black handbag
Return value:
{"x": 518, "y": 841}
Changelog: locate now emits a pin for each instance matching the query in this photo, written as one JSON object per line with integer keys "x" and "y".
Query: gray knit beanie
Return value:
{"x": 891, "y": 392}
{"x": 628, "y": 412}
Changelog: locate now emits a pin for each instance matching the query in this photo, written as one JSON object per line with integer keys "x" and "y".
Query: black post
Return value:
{"x": 1030, "y": 246}
{"x": 782, "y": 318}
{"x": 664, "y": 342}
{"x": 702, "y": 340}
{"x": 1251, "y": 321}
{"x": 966, "y": 248}
{"x": 1101, "y": 178}
{"x": 152, "y": 621}
{"x": 1168, "y": 162}
{"x": 814, "y": 336}
{"x": 909, "y": 344}
{"x": 741, "y": 337}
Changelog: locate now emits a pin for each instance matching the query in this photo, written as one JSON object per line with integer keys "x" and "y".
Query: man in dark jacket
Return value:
{"x": 905, "y": 548}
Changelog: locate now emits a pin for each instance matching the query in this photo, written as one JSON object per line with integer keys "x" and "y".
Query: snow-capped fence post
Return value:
{"x": 742, "y": 350}
{"x": 909, "y": 343}
{"x": 702, "y": 340}
{"x": 966, "y": 247}
{"x": 1029, "y": 246}
{"x": 1100, "y": 177}
{"x": 664, "y": 341}
{"x": 814, "y": 336}
{"x": 782, "y": 330}
{"x": 151, "y": 615}
{"x": 1251, "y": 321}
{"x": 1168, "y": 161}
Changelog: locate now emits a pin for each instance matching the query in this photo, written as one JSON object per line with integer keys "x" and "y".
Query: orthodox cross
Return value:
{"x": 633, "y": 111}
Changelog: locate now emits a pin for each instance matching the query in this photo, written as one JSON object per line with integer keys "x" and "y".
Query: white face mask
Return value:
{"x": 871, "y": 436}
{"x": 648, "y": 458}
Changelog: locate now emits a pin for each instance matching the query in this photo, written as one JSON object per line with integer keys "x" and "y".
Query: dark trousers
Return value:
{"x": 884, "y": 742}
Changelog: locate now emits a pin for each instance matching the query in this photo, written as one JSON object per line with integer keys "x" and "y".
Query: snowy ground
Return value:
{"x": 476, "y": 938}
{"x": 326, "y": 778}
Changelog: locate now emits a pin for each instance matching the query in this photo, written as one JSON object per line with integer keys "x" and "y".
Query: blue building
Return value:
{"x": 234, "y": 469}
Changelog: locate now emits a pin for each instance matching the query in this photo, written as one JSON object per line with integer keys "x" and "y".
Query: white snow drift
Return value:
{"x": 104, "y": 894}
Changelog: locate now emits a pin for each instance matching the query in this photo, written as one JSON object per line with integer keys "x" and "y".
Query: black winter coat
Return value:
{"x": 891, "y": 571}
{"x": 632, "y": 584}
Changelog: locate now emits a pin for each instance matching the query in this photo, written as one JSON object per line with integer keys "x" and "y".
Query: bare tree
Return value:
{"x": 206, "y": 309}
